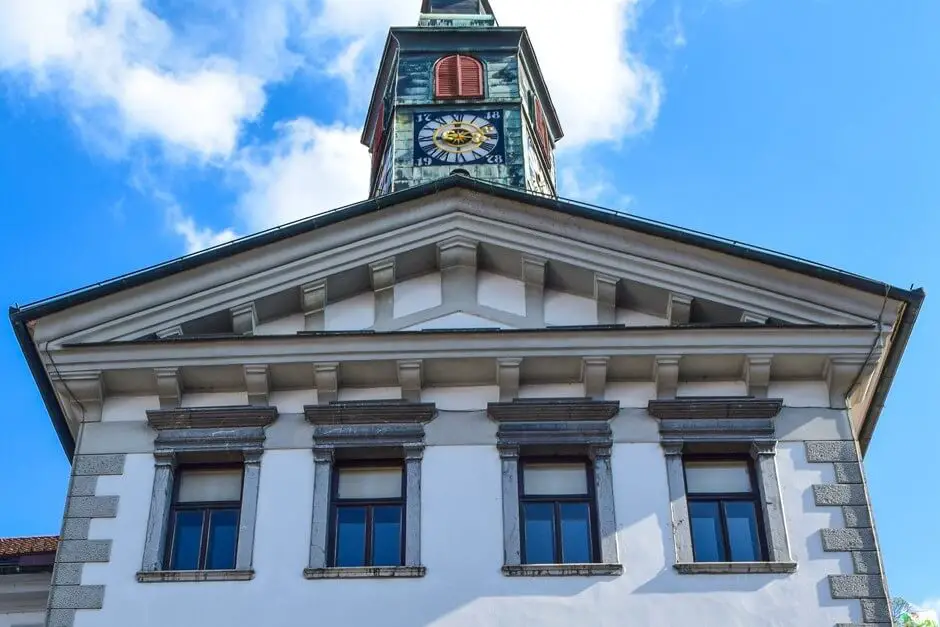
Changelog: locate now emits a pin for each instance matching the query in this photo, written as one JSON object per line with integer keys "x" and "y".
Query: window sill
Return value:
{"x": 180, "y": 576}
{"x": 563, "y": 570}
{"x": 368, "y": 572}
{"x": 735, "y": 568}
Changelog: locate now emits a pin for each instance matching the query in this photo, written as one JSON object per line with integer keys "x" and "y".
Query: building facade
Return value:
{"x": 465, "y": 403}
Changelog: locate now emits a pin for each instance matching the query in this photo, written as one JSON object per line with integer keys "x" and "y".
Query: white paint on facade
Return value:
{"x": 214, "y": 399}
{"x": 118, "y": 408}
{"x": 556, "y": 390}
{"x": 712, "y": 388}
{"x": 632, "y": 318}
{"x": 499, "y": 292}
{"x": 461, "y": 499}
{"x": 800, "y": 393}
{"x": 418, "y": 294}
{"x": 353, "y": 314}
{"x": 23, "y": 619}
{"x": 563, "y": 309}
{"x": 288, "y": 325}
{"x": 465, "y": 398}
{"x": 292, "y": 401}
{"x": 369, "y": 394}
{"x": 459, "y": 320}
{"x": 630, "y": 394}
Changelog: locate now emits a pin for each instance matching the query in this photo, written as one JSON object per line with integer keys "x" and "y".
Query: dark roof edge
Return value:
{"x": 912, "y": 309}
{"x": 41, "y": 377}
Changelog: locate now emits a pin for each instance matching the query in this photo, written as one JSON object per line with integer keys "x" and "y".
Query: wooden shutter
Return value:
{"x": 377, "y": 138}
{"x": 471, "y": 77}
{"x": 446, "y": 79}
{"x": 541, "y": 129}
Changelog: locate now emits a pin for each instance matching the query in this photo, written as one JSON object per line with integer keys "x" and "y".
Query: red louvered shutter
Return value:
{"x": 471, "y": 77}
{"x": 541, "y": 129}
{"x": 377, "y": 138}
{"x": 446, "y": 80}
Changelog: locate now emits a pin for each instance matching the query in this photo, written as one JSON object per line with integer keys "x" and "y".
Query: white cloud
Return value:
{"x": 195, "y": 237}
{"x": 309, "y": 169}
{"x": 931, "y": 605}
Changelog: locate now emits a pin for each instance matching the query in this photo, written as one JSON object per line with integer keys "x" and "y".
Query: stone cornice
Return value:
{"x": 211, "y": 417}
{"x": 553, "y": 409}
{"x": 729, "y": 408}
{"x": 370, "y": 413}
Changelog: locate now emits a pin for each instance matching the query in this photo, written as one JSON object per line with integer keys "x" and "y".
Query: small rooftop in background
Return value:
{"x": 20, "y": 547}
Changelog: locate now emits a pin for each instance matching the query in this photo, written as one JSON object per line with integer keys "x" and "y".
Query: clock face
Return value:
{"x": 459, "y": 137}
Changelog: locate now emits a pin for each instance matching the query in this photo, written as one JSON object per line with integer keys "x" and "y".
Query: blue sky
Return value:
{"x": 134, "y": 132}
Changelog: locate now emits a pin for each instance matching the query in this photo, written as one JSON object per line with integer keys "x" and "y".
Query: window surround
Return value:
{"x": 209, "y": 435}
{"x": 569, "y": 425}
{"x": 730, "y": 424}
{"x": 364, "y": 430}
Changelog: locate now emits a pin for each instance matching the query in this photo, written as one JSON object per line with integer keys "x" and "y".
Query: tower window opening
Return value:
{"x": 458, "y": 76}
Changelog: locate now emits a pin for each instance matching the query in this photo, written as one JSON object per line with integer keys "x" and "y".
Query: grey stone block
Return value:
{"x": 831, "y": 451}
{"x": 84, "y": 485}
{"x": 856, "y": 516}
{"x": 856, "y": 587}
{"x": 848, "y": 540}
{"x": 60, "y": 618}
{"x": 92, "y": 507}
{"x": 848, "y": 472}
{"x": 839, "y": 494}
{"x": 876, "y": 610}
{"x": 866, "y": 563}
{"x": 67, "y": 574}
{"x": 76, "y": 528}
{"x": 98, "y": 465}
{"x": 71, "y": 551}
{"x": 76, "y": 597}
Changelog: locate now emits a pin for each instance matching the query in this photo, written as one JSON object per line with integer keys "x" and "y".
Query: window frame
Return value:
{"x": 753, "y": 497}
{"x": 557, "y": 499}
{"x": 459, "y": 95}
{"x": 206, "y": 507}
{"x": 370, "y": 504}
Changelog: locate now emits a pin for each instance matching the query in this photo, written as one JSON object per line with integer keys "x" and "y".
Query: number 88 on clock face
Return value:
{"x": 459, "y": 137}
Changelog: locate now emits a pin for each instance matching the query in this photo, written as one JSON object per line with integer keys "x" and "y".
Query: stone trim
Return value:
{"x": 562, "y": 570}
{"x": 857, "y": 537}
{"x": 715, "y": 408}
{"x": 582, "y": 423}
{"x": 723, "y": 421}
{"x": 735, "y": 568}
{"x": 211, "y": 417}
{"x": 67, "y": 595}
{"x": 208, "y": 431}
{"x": 372, "y": 572}
{"x": 190, "y": 576}
{"x": 397, "y": 426}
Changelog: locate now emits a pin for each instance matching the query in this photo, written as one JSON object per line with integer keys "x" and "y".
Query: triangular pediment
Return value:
{"x": 498, "y": 262}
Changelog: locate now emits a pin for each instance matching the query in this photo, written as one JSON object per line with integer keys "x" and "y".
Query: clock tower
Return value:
{"x": 461, "y": 94}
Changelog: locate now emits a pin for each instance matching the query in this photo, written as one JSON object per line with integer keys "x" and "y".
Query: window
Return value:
{"x": 458, "y": 76}
{"x": 368, "y": 516}
{"x": 204, "y": 519}
{"x": 557, "y": 509}
{"x": 541, "y": 129}
{"x": 723, "y": 510}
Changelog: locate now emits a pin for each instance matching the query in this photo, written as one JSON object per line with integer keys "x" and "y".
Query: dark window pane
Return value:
{"x": 742, "y": 531}
{"x": 350, "y": 536}
{"x": 223, "y": 536}
{"x": 707, "y": 542}
{"x": 386, "y": 536}
{"x": 187, "y": 537}
{"x": 539, "y": 533}
{"x": 575, "y": 533}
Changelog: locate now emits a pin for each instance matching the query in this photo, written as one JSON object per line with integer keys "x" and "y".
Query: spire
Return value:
{"x": 457, "y": 13}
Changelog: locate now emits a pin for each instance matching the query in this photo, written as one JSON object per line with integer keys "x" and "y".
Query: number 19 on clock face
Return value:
{"x": 458, "y": 137}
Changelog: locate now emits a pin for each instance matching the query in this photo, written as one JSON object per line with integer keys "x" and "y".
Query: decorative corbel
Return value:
{"x": 533, "y": 275}
{"x": 457, "y": 259}
{"x": 757, "y": 374}
{"x": 507, "y": 377}
{"x": 594, "y": 376}
{"x": 382, "y": 277}
{"x": 679, "y": 309}
{"x": 841, "y": 373}
{"x": 666, "y": 375}
{"x": 169, "y": 387}
{"x": 81, "y": 393}
{"x": 410, "y": 378}
{"x": 326, "y": 380}
{"x": 313, "y": 304}
{"x": 244, "y": 319}
{"x": 258, "y": 384}
{"x": 605, "y": 293}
